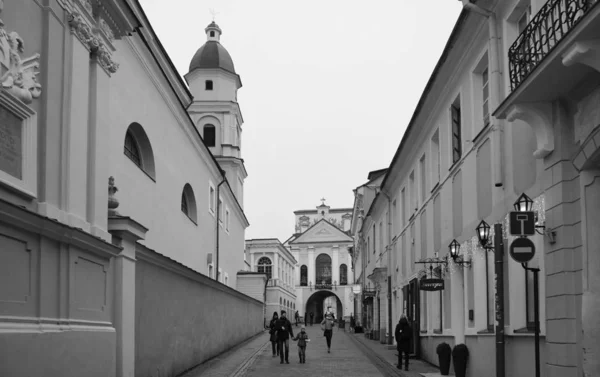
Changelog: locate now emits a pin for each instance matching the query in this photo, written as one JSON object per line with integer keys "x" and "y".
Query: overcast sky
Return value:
{"x": 329, "y": 87}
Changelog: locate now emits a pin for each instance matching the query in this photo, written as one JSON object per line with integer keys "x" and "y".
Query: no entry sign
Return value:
{"x": 522, "y": 250}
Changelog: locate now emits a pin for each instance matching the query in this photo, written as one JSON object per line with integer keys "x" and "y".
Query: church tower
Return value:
{"x": 215, "y": 111}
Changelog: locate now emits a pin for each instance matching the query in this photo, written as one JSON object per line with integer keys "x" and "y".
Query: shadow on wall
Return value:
{"x": 183, "y": 318}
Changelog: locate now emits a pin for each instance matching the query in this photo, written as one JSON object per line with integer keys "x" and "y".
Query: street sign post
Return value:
{"x": 522, "y": 223}
{"x": 522, "y": 250}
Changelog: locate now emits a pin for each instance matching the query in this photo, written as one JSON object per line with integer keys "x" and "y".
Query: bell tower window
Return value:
{"x": 208, "y": 84}
{"x": 212, "y": 33}
{"x": 209, "y": 135}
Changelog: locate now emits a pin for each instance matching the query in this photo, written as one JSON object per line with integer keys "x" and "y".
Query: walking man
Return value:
{"x": 403, "y": 335}
{"x": 327, "y": 326}
{"x": 297, "y": 318}
{"x": 312, "y": 317}
{"x": 284, "y": 331}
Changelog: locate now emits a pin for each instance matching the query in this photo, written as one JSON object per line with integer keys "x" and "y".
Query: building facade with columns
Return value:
{"x": 324, "y": 269}
{"x": 509, "y": 109}
{"x": 88, "y": 93}
{"x": 269, "y": 256}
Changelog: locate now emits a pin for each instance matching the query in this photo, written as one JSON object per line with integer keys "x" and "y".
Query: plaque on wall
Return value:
{"x": 11, "y": 153}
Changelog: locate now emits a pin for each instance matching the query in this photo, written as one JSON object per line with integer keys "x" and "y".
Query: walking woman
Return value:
{"x": 273, "y": 333}
{"x": 327, "y": 326}
{"x": 403, "y": 335}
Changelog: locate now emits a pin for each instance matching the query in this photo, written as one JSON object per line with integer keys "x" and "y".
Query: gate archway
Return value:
{"x": 318, "y": 302}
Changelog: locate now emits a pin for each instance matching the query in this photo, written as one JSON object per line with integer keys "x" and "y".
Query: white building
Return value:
{"x": 269, "y": 256}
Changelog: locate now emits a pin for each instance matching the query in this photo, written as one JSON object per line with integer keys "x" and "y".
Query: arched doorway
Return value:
{"x": 318, "y": 302}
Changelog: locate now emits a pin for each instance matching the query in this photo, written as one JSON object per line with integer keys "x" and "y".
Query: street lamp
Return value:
{"x": 455, "y": 254}
{"x": 523, "y": 204}
{"x": 483, "y": 233}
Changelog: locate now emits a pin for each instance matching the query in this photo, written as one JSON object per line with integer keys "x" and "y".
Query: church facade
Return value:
{"x": 108, "y": 157}
{"x": 324, "y": 267}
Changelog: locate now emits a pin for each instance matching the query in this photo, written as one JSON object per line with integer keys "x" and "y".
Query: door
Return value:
{"x": 411, "y": 309}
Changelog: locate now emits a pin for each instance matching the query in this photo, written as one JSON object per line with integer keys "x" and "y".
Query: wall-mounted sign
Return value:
{"x": 431, "y": 284}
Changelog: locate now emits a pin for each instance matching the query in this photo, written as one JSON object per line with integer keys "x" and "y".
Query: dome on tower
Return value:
{"x": 212, "y": 54}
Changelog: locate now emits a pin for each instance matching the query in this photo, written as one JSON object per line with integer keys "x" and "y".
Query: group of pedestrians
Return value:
{"x": 281, "y": 331}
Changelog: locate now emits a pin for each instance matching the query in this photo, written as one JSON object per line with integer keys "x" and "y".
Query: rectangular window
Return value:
{"x": 455, "y": 117}
{"x": 485, "y": 96}
{"x": 423, "y": 174}
{"x": 435, "y": 160}
{"x": 412, "y": 193}
{"x": 211, "y": 199}
{"x": 220, "y": 210}
{"x": 227, "y": 220}
{"x": 403, "y": 207}
{"x": 208, "y": 85}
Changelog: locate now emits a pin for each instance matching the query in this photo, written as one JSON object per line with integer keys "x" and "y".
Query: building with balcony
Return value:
{"x": 324, "y": 269}
{"x": 269, "y": 256}
{"x": 510, "y": 108}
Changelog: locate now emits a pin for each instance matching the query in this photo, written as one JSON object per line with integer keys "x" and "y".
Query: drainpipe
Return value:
{"x": 495, "y": 95}
{"x": 496, "y": 85}
{"x": 390, "y": 339}
{"x": 218, "y": 219}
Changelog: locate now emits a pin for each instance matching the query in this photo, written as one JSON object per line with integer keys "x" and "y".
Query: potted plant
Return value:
{"x": 460, "y": 356}
{"x": 444, "y": 352}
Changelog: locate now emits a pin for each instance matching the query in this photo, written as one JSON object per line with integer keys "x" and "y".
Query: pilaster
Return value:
{"x": 311, "y": 265}
{"x": 335, "y": 264}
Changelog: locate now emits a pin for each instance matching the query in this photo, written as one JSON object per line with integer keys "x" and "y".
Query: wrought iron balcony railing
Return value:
{"x": 543, "y": 33}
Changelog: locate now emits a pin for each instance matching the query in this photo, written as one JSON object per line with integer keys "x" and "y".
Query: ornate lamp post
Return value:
{"x": 455, "y": 254}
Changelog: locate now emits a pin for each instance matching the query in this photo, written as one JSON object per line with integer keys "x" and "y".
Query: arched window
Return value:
{"x": 303, "y": 276}
{"x": 343, "y": 274}
{"x": 264, "y": 266}
{"x": 209, "y": 135}
{"x": 188, "y": 202}
{"x": 138, "y": 149}
{"x": 323, "y": 266}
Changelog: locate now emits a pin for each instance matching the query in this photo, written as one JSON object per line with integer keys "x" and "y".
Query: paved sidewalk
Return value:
{"x": 234, "y": 361}
{"x": 416, "y": 367}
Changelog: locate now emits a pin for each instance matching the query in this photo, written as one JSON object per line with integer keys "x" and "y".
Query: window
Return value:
{"x": 303, "y": 276}
{"x": 423, "y": 174}
{"x": 343, "y": 274}
{"x": 131, "y": 149}
{"x": 227, "y": 220}
{"x": 485, "y": 96}
{"x": 211, "y": 199}
{"x": 209, "y": 135}
{"x": 212, "y": 33}
{"x": 188, "y": 202}
{"x": 323, "y": 267}
{"x": 412, "y": 193}
{"x": 456, "y": 130}
{"x": 208, "y": 85}
{"x": 524, "y": 20}
{"x": 403, "y": 194}
{"x": 264, "y": 266}
{"x": 137, "y": 148}
{"x": 435, "y": 160}
{"x": 220, "y": 210}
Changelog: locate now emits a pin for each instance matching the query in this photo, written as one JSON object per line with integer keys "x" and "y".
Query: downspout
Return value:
{"x": 217, "y": 236}
{"x": 390, "y": 339}
{"x": 496, "y": 84}
{"x": 495, "y": 95}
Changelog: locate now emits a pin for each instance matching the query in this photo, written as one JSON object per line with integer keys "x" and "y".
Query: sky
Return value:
{"x": 329, "y": 87}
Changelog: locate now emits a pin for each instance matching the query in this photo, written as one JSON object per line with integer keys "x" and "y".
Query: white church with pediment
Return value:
{"x": 324, "y": 271}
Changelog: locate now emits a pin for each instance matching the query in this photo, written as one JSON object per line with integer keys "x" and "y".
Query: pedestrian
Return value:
{"x": 297, "y": 318}
{"x": 352, "y": 323}
{"x": 305, "y": 318}
{"x": 302, "y": 339}
{"x": 273, "y": 334}
{"x": 403, "y": 337}
{"x": 327, "y": 327}
{"x": 312, "y": 317}
{"x": 284, "y": 331}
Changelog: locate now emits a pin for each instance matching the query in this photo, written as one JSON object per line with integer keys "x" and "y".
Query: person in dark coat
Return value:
{"x": 284, "y": 332}
{"x": 312, "y": 318}
{"x": 403, "y": 337}
{"x": 297, "y": 318}
{"x": 273, "y": 334}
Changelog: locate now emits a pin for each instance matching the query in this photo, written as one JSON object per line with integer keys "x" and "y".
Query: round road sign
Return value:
{"x": 522, "y": 250}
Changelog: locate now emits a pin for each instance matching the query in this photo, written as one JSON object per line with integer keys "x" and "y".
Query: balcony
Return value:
{"x": 543, "y": 33}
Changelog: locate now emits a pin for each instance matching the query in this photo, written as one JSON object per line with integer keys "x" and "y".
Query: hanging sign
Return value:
{"x": 431, "y": 285}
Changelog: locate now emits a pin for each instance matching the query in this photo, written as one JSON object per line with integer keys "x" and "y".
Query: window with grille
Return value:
{"x": 304, "y": 276}
{"x": 343, "y": 274}
{"x": 323, "y": 266}
{"x": 456, "y": 131}
{"x": 132, "y": 150}
{"x": 264, "y": 266}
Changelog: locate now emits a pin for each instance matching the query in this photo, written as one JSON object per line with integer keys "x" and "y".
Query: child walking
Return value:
{"x": 302, "y": 339}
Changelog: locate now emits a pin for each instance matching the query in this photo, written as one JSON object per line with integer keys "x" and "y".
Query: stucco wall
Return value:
{"x": 184, "y": 318}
